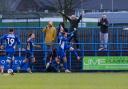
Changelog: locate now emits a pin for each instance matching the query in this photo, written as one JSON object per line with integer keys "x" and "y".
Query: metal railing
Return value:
{"x": 88, "y": 43}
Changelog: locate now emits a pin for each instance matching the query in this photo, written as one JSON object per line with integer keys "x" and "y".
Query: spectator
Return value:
{"x": 73, "y": 25}
{"x": 50, "y": 36}
{"x": 103, "y": 23}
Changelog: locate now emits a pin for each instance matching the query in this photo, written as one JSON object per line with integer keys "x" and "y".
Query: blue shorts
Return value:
{"x": 67, "y": 47}
{"x": 10, "y": 55}
{"x": 61, "y": 53}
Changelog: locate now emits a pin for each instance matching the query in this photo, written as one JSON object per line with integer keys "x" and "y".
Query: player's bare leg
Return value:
{"x": 1, "y": 69}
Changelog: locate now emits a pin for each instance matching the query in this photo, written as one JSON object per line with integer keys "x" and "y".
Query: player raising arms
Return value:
{"x": 64, "y": 39}
{"x": 11, "y": 41}
{"x": 29, "y": 55}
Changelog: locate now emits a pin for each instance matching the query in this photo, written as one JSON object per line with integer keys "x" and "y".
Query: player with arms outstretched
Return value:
{"x": 11, "y": 41}
{"x": 64, "y": 42}
{"x": 29, "y": 56}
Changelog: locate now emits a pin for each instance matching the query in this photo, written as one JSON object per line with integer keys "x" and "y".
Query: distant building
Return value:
{"x": 105, "y": 5}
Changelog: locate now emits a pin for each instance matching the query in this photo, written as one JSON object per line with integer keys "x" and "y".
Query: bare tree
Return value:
{"x": 66, "y": 6}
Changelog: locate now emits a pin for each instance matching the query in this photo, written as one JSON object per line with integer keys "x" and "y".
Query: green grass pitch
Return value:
{"x": 65, "y": 81}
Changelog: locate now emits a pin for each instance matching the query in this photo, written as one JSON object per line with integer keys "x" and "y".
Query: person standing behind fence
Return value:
{"x": 73, "y": 25}
{"x": 50, "y": 36}
{"x": 103, "y": 23}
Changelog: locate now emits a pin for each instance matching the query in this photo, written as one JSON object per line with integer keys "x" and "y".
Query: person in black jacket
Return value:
{"x": 103, "y": 23}
{"x": 74, "y": 21}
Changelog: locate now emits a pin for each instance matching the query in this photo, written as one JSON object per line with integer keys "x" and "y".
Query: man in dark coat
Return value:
{"x": 103, "y": 23}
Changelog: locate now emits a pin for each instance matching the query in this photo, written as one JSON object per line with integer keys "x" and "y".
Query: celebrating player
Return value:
{"x": 64, "y": 46}
{"x": 11, "y": 41}
{"x": 29, "y": 57}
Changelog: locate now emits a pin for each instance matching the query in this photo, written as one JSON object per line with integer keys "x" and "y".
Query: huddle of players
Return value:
{"x": 64, "y": 39}
{"x": 60, "y": 54}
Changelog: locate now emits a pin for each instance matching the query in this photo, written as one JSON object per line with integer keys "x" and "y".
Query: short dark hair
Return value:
{"x": 62, "y": 24}
{"x": 30, "y": 34}
{"x": 11, "y": 30}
